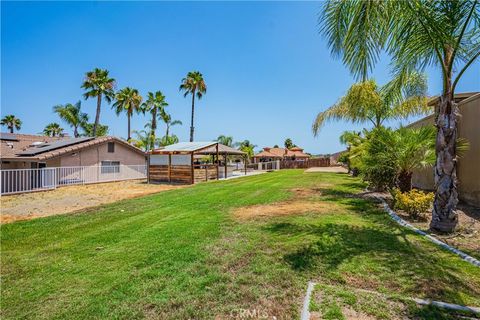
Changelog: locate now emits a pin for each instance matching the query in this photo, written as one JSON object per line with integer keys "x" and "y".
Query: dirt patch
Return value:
{"x": 306, "y": 193}
{"x": 73, "y": 198}
{"x": 336, "y": 169}
{"x": 281, "y": 209}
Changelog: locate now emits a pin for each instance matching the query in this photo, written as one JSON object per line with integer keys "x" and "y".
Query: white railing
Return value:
{"x": 264, "y": 166}
{"x": 28, "y": 180}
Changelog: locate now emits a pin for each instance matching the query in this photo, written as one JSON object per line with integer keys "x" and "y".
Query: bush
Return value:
{"x": 379, "y": 168}
{"x": 415, "y": 202}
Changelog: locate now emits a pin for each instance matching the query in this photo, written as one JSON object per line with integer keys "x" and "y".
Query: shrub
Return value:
{"x": 379, "y": 168}
{"x": 414, "y": 202}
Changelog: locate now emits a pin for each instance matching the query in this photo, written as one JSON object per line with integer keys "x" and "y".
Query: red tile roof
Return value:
{"x": 281, "y": 153}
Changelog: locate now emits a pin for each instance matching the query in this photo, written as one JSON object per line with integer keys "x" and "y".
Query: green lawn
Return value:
{"x": 182, "y": 254}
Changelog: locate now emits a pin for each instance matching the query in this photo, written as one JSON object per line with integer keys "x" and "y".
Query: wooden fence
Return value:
{"x": 314, "y": 162}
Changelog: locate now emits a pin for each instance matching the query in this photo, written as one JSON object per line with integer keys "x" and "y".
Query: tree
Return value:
{"x": 247, "y": 147}
{"x": 87, "y": 128}
{"x": 128, "y": 100}
{"x": 351, "y": 139}
{"x": 225, "y": 140}
{"x": 416, "y": 34}
{"x": 167, "y": 119}
{"x": 155, "y": 105}
{"x": 193, "y": 84}
{"x": 143, "y": 140}
{"x": 167, "y": 140}
{"x": 288, "y": 143}
{"x": 98, "y": 85}
{"x": 53, "y": 130}
{"x": 367, "y": 102}
{"x": 72, "y": 115}
{"x": 11, "y": 122}
{"x": 275, "y": 146}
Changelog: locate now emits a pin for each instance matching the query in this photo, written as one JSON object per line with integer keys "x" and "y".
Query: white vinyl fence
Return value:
{"x": 28, "y": 180}
{"x": 264, "y": 166}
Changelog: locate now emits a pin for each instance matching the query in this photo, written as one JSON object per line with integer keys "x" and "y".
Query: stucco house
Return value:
{"x": 272, "y": 154}
{"x": 24, "y": 151}
{"x": 468, "y": 168}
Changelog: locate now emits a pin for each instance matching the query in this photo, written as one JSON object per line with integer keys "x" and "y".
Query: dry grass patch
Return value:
{"x": 69, "y": 199}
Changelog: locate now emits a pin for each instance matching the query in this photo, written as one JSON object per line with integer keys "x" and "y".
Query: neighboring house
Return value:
{"x": 335, "y": 156}
{"x": 272, "y": 154}
{"x": 468, "y": 168}
{"x": 22, "y": 151}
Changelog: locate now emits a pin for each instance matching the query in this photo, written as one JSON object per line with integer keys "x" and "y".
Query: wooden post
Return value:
{"x": 226, "y": 169}
{"x": 206, "y": 172}
{"x": 245, "y": 164}
{"x": 192, "y": 172}
{"x": 148, "y": 170}
{"x": 169, "y": 167}
{"x": 217, "y": 160}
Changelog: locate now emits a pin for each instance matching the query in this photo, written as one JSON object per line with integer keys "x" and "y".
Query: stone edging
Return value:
{"x": 402, "y": 222}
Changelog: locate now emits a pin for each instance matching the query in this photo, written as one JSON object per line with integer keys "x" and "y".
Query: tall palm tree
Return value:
{"x": 155, "y": 105}
{"x": 288, "y": 143}
{"x": 367, "y": 102}
{"x": 53, "y": 130}
{"x": 72, "y": 115}
{"x": 11, "y": 122}
{"x": 167, "y": 118}
{"x": 98, "y": 85}
{"x": 416, "y": 34}
{"x": 225, "y": 140}
{"x": 193, "y": 84}
{"x": 143, "y": 140}
{"x": 128, "y": 100}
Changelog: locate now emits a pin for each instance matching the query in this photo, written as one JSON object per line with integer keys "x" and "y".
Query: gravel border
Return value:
{"x": 402, "y": 222}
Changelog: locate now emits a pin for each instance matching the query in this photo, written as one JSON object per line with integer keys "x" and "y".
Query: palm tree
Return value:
{"x": 193, "y": 84}
{"x": 155, "y": 105}
{"x": 414, "y": 149}
{"x": 11, "y": 122}
{"x": 72, "y": 115}
{"x": 288, "y": 143}
{"x": 98, "y": 84}
{"x": 168, "y": 140}
{"x": 416, "y": 34}
{"x": 247, "y": 147}
{"x": 367, "y": 102}
{"x": 143, "y": 140}
{"x": 128, "y": 100}
{"x": 52, "y": 130}
{"x": 225, "y": 140}
{"x": 87, "y": 128}
{"x": 167, "y": 118}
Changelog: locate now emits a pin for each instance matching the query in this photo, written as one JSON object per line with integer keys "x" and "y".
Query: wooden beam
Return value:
{"x": 225, "y": 176}
{"x": 192, "y": 169}
{"x": 245, "y": 164}
{"x": 216, "y": 149}
{"x": 169, "y": 168}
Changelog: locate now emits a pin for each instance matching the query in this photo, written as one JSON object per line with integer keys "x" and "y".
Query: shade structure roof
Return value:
{"x": 208, "y": 147}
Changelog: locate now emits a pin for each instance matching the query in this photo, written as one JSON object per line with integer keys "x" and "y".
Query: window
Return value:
{"x": 110, "y": 167}
{"x": 111, "y": 147}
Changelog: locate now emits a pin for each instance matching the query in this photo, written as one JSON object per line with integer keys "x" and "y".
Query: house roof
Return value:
{"x": 13, "y": 143}
{"x": 459, "y": 97}
{"x": 40, "y": 148}
{"x": 197, "y": 147}
{"x": 281, "y": 153}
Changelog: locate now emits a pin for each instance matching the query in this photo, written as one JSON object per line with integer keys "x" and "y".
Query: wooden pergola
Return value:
{"x": 191, "y": 162}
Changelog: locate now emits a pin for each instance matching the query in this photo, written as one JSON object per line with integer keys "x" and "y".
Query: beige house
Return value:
{"x": 468, "y": 168}
{"x": 21, "y": 151}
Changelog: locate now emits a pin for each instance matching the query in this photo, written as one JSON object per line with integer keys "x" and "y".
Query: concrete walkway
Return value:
{"x": 327, "y": 169}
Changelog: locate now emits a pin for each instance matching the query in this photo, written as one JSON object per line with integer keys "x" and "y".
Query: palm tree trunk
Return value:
{"x": 97, "y": 115}
{"x": 444, "y": 215}
{"x": 75, "y": 131}
{"x": 405, "y": 181}
{"x": 11, "y": 129}
{"x": 193, "y": 112}
{"x": 168, "y": 129}
{"x": 154, "y": 128}
{"x": 128, "y": 128}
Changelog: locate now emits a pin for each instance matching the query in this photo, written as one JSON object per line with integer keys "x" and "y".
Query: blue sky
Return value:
{"x": 267, "y": 69}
